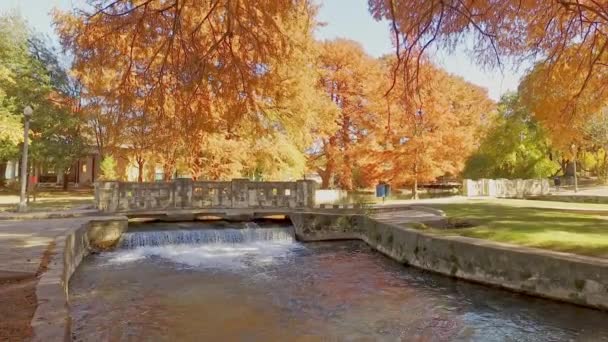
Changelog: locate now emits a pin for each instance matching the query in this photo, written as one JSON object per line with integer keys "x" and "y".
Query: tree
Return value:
{"x": 204, "y": 75}
{"x": 567, "y": 38}
{"x": 349, "y": 78}
{"x": 16, "y": 69}
{"x": 430, "y": 132}
{"x": 31, "y": 75}
{"x": 57, "y": 126}
{"x": 595, "y": 156}
{"x": 515, "y": 147}
{"x": 108, "y": 169}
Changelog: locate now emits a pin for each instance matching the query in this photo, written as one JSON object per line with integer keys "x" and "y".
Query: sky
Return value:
{"x": 343, "y": 18}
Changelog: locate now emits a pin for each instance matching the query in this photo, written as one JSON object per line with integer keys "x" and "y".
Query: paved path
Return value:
{"x": 40, "y": 215}
{"x": 406, "y": 217}
{"x": 23, "y": 243}
{"x": 597, "y": 190}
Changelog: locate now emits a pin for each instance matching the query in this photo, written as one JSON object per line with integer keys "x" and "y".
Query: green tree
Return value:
{"x": 31, "y": 74}
{"x": 15, "y": 68}
{"x": 515, "y": 147}
{"x": 108, "y": 169}
{"x": 595, "y": 136}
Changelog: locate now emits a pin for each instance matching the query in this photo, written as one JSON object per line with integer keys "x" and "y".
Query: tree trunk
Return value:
{"x": 66, "y": 174}
{"x": 140, "y": 170}
{"x": 415, "y": 186}
{"x": 604, "y": 168}
{"x": 2, "y": 173}
{"x": 324, "y": 180}
{"x": 415, "y": 189}
{"x": 167, "y": 171}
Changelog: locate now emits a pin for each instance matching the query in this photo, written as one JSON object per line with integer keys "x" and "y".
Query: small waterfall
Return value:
{"x": 228, "y": 236}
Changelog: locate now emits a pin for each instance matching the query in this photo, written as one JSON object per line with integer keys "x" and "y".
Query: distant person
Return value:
{"x": 557, "y": 180}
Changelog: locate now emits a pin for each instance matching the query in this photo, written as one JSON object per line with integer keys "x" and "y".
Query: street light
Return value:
{"x": 575, "y": 177}
{"x": 27, "y": 114}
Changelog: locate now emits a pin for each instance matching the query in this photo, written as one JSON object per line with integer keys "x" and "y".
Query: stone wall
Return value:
{"x": 561, "y": 276}
{"x": 51, "y": 321}
{"x": 506, "y": 188}
{"x": 187, "y": 194}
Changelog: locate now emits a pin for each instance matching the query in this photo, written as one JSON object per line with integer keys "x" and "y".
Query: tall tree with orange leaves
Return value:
{"x": 430, "y": 132}
{"x": 350, "y": 79}
{"x": 567, "y": 38}
{"x": 206, "y": 76}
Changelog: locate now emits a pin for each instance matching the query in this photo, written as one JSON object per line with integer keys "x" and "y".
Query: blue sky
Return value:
{"x": 343, "y": 18}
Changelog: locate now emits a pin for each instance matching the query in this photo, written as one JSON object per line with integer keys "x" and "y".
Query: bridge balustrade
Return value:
{"x": 112, "y": 196}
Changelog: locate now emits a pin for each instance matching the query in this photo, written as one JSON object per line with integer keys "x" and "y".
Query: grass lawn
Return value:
{"x": 48, "y": 200}
{"x": 581, "y": 232}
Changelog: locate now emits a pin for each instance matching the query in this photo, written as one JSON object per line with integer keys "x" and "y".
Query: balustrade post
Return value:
{"x": 182, "y": 192}
{"x": 106, "y": 196}
{"x": 239, "y": 193}
{"x": 305, "y": 196}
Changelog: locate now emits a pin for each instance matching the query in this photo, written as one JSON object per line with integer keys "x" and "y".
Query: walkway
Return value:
{"x": 406, "y": 217}
{"x": 23, "y": 243}
{"x": 596, "y": 190}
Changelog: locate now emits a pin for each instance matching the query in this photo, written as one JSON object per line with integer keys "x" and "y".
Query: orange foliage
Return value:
{"x": 431, "y": 131}
{"x": 569, "y": 37}
{"x": 350, "y": 79}
{"x": 164, "y": 78}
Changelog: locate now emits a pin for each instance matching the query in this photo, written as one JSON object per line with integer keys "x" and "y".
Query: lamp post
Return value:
{"x": 575, "y": 177}
{"x": 27, "y": 114}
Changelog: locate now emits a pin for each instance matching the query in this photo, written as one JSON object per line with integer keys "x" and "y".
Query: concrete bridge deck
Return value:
{"x": 397, "y": 214}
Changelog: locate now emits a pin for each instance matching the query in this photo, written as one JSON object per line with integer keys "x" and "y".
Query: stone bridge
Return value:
{"x": 239, "y": 197}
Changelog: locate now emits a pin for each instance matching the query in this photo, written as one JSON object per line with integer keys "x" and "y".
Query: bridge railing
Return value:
{"x": 188, "y": 194}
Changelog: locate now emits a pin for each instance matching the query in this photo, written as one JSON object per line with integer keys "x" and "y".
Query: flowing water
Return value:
{"x": 179, "y": 282}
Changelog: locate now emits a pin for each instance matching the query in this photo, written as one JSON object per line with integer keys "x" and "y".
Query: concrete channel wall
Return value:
{"x": 565, "y": 277}
{"x": 561, "y": 276}
{"x": 51, "y": 320}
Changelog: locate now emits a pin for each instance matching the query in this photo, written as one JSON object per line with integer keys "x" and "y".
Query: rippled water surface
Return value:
{"x": 266, "y": 287}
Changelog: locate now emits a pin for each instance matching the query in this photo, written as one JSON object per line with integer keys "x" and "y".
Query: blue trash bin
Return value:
{"x": 381, "y": 190}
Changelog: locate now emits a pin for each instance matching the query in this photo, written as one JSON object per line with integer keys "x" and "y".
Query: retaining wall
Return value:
{"x": 51, "y": 320}
{"x": 561, "y": 276}
{"x": 566, "y": 277}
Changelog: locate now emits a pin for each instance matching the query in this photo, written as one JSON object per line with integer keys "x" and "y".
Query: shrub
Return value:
{"x": 108, "y": 169}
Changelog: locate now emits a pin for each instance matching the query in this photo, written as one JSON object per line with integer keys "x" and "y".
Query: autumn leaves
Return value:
{"x": 227, "y": 88}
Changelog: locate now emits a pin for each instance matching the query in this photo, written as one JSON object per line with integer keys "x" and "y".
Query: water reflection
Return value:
{"x": 313, "y": 292}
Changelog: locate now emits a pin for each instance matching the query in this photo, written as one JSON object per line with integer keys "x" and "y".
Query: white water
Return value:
{"x": 208, "y": 248}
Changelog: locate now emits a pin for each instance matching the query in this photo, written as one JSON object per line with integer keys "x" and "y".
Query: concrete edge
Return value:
{"x": 504, "y": 283}
{"x": 50, "y": 215}
{"x": 430, "y": 210}
{"x": 51, "y": 321}
{"x": 383, "y": 237}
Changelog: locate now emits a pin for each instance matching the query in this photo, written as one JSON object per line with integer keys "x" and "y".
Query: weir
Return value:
{"x": 224, "y": 236}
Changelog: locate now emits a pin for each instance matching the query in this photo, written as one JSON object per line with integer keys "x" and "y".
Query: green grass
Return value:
{"x": 48, "y": 200}
{"x": 573, "y": 199}
{"x": 562, "y": 230}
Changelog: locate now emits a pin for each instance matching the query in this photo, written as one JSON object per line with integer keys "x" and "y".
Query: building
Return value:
{"x": 83, "y": 172}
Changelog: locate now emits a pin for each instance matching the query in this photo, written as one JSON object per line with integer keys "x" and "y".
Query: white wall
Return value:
{"x": 505, "y": 188}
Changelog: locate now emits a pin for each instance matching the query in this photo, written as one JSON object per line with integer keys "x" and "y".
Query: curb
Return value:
{"x": 50, "y": 215}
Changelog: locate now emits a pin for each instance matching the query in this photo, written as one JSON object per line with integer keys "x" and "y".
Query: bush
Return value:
{"x": 108, "y": 169}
